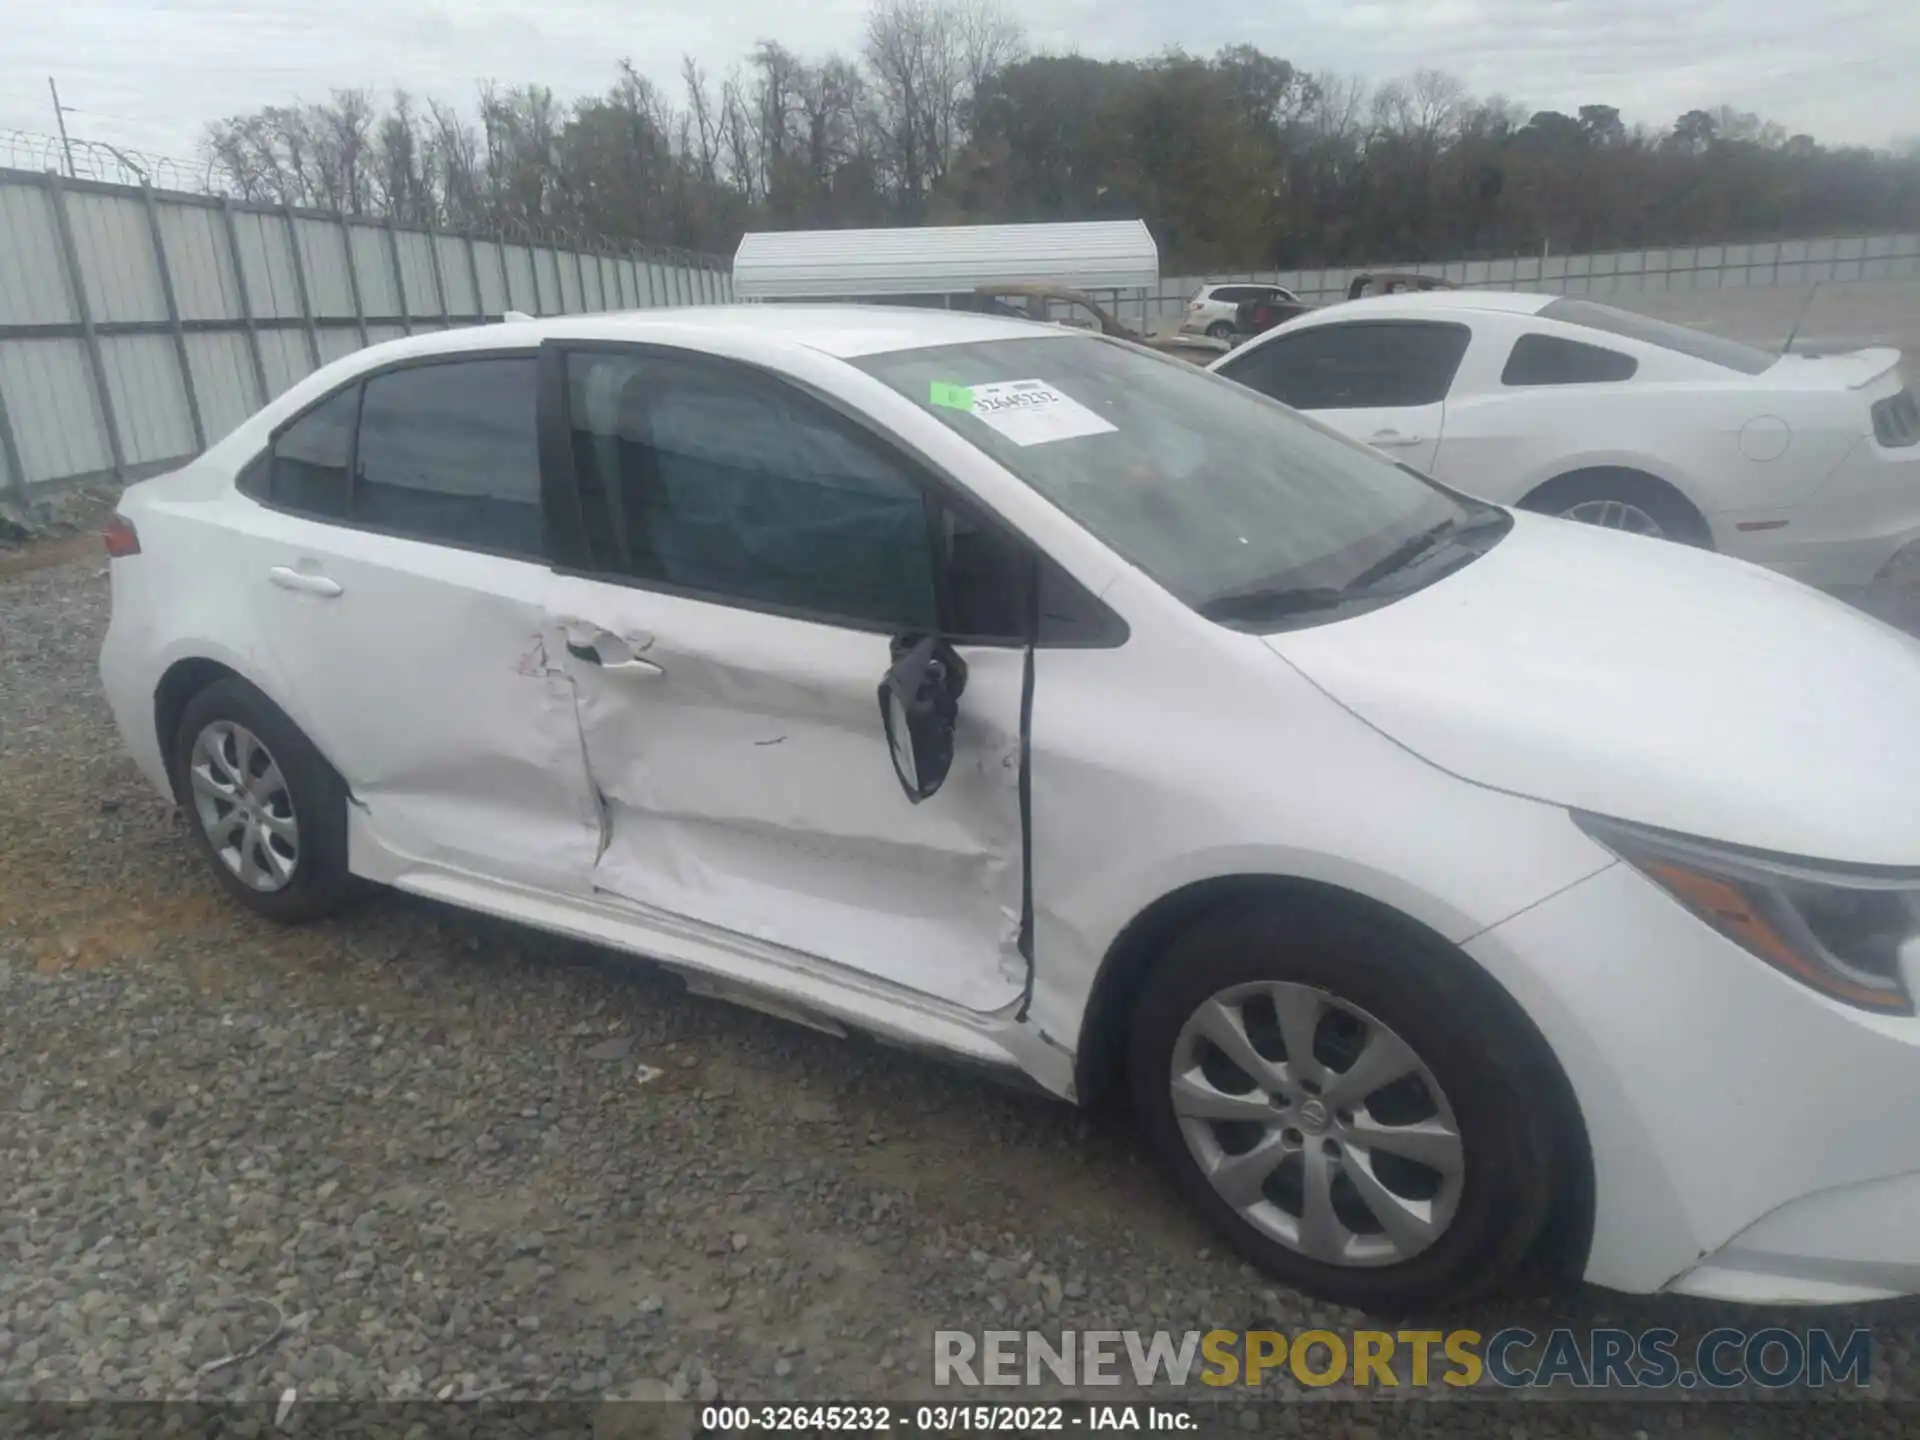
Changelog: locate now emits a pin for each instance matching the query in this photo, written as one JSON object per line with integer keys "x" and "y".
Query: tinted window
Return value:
{"x": 1729, "y": 354}
{"x": 710, "y": 480}
{"x": 1236, "y": 294}
{"x": 1366, "y": 365}
{"x": 1549, "y": 360}
{"x": 449, "y": 452}
{"x": 310, "y": 457}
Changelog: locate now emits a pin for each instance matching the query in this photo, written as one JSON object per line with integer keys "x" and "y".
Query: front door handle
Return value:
{"x": 307, "y": 583}
{"x": 1392, "y": 440}
{"x": 629, "y": 665}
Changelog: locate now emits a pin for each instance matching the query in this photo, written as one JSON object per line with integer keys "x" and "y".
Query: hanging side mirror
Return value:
{"x": 919, "y": 707}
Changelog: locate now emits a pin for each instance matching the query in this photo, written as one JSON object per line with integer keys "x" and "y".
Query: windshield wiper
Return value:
{"x": 1259, "y": 604}
{"x": 1424, "y": 545}
{"x": 1403, "y": 555}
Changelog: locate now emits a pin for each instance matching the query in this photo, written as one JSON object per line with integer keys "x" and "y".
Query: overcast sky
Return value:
{"x": 147, "y": 73}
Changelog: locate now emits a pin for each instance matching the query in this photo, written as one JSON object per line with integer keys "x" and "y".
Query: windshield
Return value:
{"x": 1728, "y": 354}
{"x": 1239, "y": 506}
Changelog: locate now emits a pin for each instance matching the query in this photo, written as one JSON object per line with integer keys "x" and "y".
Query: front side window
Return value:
{"x": 1364, "y": 365}
{"x": 704, "y": 478}
{"x": 449, "y": 452}
{"x": 1550, "y": 360}
{"x": 1239, "y": 508}
{"x": 310, "y": 458}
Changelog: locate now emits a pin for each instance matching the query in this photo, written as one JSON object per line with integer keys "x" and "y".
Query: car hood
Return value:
{"x": 1646, "y": 681}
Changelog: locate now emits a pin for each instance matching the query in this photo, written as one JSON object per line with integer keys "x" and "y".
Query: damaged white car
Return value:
{"x": 1441, "y": 881}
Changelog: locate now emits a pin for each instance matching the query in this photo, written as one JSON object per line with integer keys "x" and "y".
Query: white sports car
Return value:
{"x": 1808, "y": 465}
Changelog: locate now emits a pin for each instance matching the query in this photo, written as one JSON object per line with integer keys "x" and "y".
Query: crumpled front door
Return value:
{"x": 746, "y": 785}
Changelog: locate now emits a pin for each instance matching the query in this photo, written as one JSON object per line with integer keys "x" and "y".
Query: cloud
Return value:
{"x": 149, "y": 73}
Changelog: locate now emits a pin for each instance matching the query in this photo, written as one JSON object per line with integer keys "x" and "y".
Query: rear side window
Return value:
{"x": 1358, "y": 366}
{"x": 309, "y": 467}
{"x": 1550, "y": 360}
{"x": 449, "y": 452}
{"x": 1714, "y": 349}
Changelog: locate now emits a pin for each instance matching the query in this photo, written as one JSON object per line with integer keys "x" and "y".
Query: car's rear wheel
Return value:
{"x": 1356, "y": 1110}
{"x": 269, "y": 812}
{"x": 1622, "y": 500}
{"x": 1221, "y": 330}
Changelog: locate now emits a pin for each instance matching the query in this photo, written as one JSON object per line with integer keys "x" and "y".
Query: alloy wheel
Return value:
{"x": 1615, "y": 515}
{"x": 244, "y": 806}
{"x": 1317, "y": 1123}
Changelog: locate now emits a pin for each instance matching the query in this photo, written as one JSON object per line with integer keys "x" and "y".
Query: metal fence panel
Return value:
{"x": 456, "y": 275}
{"x": 223, "y": 380}
{"x": 117, "y": 263}
{"x": 521, "y": 294}
{"x": 33, "y": 278}
{"x": 416, "y": 272}
{"x": 266, "y": 264}
{"x": 57, "y": 425}
{"x": 204, "y": 283}
{"x": 323, "y": 251}
{"x": 337, "y": 344}
{"x": 283, "y": 355}
{"x": 149, "y": 400}
{"x": 373, "y": 269}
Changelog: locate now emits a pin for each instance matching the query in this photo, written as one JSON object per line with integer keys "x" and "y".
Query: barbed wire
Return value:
{"x": 114, "y": 164}
{"x": 97, "y": 160}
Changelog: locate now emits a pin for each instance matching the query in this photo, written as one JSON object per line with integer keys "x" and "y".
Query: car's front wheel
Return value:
{"x": 268, "y": 811}
{"x": 1356, "y": 1111}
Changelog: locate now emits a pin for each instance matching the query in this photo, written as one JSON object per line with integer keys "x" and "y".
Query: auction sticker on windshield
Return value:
{"x": 1027, "y": 412}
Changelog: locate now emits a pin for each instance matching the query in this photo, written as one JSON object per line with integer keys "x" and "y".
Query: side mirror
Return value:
{"x": 919, "y": 706}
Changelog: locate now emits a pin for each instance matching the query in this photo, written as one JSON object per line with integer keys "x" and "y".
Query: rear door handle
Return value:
{"x": 1392, "y": 440}
{"x": 288, "y": 578}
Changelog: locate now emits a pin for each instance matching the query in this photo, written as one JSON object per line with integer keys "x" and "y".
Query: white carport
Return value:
{"x": 1103, "y": 255}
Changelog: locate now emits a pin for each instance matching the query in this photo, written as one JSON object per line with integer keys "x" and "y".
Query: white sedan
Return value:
{"x": 1437, "y": 878}
{"x": 1809, "y": 465}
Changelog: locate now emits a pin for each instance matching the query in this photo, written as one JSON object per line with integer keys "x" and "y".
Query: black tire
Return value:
{"x": 1221, "y": 330}
{"x": 320, "y": 882}
{"x": 1678, "y": 520}
{"x": 1486, "y": 1057}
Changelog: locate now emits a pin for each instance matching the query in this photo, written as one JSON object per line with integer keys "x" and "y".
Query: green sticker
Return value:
{"x": 950, "y": 397}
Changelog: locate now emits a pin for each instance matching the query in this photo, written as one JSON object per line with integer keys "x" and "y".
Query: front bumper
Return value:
{"x": 1750, "y": 1139}
{"x": 1841, "y": 1246}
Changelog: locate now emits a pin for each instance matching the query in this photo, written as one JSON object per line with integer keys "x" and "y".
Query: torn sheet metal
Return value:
{"x": 747, "y": 786}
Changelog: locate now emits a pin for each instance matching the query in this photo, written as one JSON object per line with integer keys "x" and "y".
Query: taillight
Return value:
{"x": 1896, "y": 420}
{"x": 122, "y": 539}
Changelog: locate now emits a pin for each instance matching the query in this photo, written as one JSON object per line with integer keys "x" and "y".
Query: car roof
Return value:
{"x": 1420, "y": 302}
{"x": 843, "y": 331}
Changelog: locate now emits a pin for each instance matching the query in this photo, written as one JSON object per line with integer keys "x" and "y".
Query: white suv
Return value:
{"x": 1436, "y": 877}
{"x": 1213, "y": 308}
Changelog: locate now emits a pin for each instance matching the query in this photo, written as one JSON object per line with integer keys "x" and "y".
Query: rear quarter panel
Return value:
{"x": 1674, "y": 419}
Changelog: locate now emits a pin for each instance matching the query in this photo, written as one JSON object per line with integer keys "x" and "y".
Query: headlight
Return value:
{"x": 1840, "y": 930}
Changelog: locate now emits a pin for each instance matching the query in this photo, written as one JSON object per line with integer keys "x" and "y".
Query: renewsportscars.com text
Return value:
{"x": 1510, "y": 1358}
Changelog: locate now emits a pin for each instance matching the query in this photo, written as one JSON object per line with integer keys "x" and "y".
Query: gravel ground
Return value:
{"x": 415, "y": 1154}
